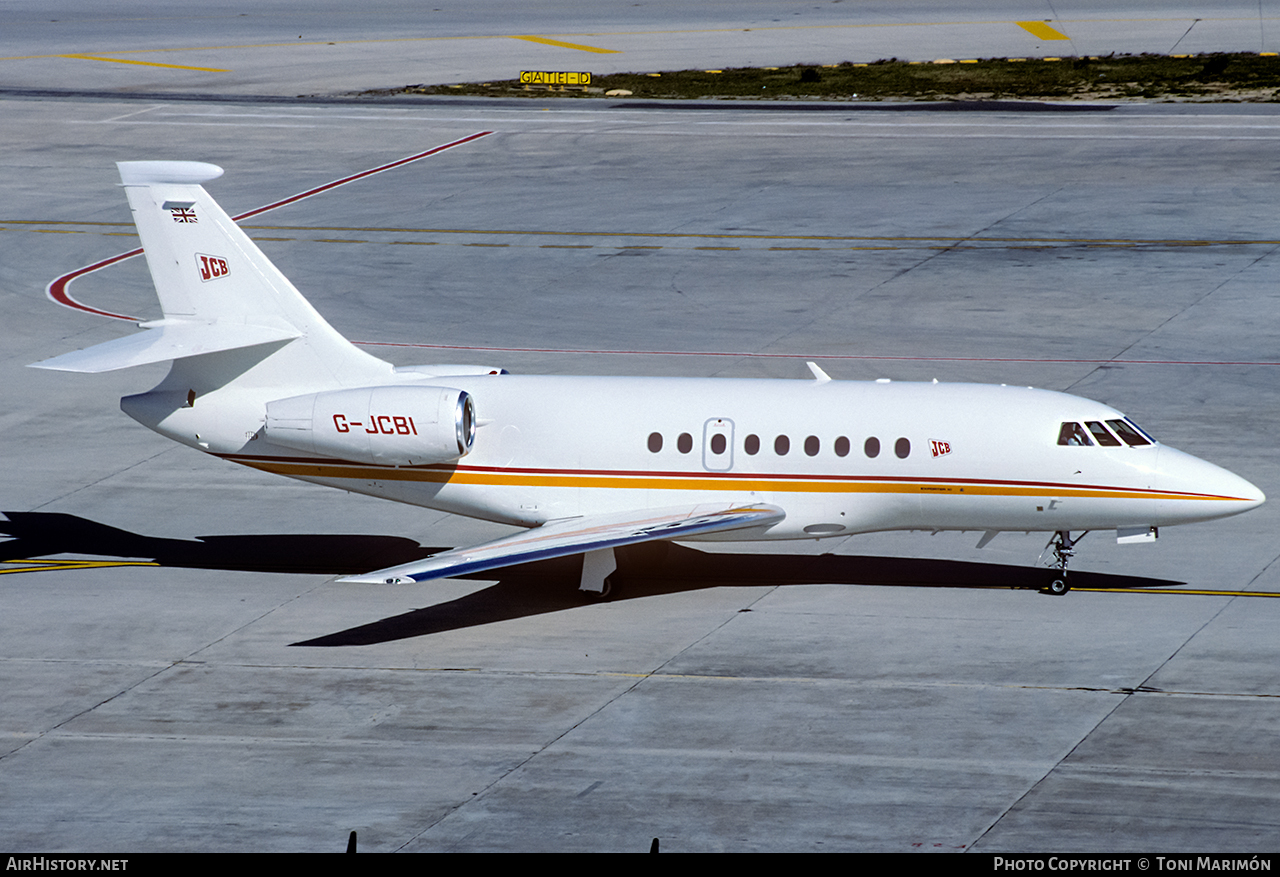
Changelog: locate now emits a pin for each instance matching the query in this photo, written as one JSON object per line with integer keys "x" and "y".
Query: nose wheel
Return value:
{"x": 1064, "y": 547}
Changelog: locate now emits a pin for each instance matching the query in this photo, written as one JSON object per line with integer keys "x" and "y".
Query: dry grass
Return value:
{"x": 1213, "y": 77}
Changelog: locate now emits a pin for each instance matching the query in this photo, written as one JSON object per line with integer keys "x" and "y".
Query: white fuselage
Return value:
{"x": 950, "y": 456}
{"x": 597, "y": 463}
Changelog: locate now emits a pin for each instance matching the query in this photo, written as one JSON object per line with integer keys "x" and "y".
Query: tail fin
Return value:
{"x": 218, "y": 293}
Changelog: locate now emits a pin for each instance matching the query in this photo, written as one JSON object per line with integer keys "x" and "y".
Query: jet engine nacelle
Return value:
{"x": 393, "y": 426}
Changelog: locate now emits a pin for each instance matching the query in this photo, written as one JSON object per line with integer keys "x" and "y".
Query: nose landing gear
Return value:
{"x": 1063, "y": 548}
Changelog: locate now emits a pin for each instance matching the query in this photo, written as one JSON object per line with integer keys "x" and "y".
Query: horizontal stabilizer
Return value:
{"x": 578, "y": 535}
{"x": 170, "y": 340}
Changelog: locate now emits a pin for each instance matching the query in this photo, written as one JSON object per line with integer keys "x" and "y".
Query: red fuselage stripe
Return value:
{"x": 704, "y": 475}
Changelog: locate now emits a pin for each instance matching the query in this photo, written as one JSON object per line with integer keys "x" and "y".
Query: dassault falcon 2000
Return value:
{"x": 591, "y": 464}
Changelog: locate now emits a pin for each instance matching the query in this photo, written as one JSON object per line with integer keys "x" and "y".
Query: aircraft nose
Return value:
{"x": 1197, "y": 490}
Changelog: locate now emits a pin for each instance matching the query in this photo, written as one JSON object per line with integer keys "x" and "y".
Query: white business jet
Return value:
{"x": 590, "y": 464}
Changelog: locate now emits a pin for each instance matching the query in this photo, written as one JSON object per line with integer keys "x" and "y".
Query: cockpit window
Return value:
{"x": 1101, "y": 435}
{"x": 1132, "y": 437}
{"x": 1073, "y": 434}
{"x": 1146, "y": 435}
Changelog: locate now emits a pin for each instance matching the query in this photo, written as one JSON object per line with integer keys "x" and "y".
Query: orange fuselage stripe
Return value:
{"x": 676, "y": 481}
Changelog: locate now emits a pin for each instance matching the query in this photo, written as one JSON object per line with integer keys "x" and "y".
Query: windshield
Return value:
{"x": 1129, "y": 432}
{"x": 1111, "y": 435}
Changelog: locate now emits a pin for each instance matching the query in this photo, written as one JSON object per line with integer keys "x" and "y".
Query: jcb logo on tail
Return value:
{"x": 211, "y": 267}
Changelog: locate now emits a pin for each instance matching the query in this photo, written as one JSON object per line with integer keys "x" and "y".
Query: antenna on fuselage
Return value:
{"x": 818, "y": 374}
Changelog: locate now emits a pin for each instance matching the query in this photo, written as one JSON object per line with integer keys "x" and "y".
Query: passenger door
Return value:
{"x": 717, "y": 445}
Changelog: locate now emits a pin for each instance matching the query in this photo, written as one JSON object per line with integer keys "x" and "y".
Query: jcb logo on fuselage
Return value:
{"x": 211, "y": 267}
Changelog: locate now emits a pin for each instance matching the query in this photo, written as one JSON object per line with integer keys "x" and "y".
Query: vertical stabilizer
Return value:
{"x": 212, "y": 280}
{"x": 170, "y": 210}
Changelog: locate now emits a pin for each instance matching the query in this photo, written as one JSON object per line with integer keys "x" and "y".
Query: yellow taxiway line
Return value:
{"x": 1026, "y": 25}
{"x": 22, "y": 566}
{"x": 144, "y": 63}
{"x": 16, "y": 566}
{"x": 562, "y": 45}
{"x": 859, "y": 242}
{"x": 1041, "y": 30}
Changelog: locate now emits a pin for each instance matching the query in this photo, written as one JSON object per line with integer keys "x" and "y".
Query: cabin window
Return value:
{"x": 751, "y": 445}
{"x": 872, "y": 447}
{"x": 684, "y": 444}
{"x": 1101, "y": 435}
{"x": 842, "y": 447}
{"x": 655, "y": 442}
{"x": 1131, "y": 436}
{"x": 812, "y": 446}
{"x": 902, "y": 447}
{"x": 1073, "y": 434}
{"x": 781, "y": 445}
{"x": 718, "y": 443}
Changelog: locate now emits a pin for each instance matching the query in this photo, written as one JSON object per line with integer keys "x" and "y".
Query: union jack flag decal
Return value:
{"x": 183, "y": 214}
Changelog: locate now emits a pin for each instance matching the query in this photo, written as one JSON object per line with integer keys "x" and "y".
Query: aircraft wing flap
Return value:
{"x": 578, "y": 535}
{"x": 171, "y": 341}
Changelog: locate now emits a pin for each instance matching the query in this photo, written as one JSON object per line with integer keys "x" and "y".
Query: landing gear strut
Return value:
{"x": 599, "y": 571}
{"x": 1063, "y": 548}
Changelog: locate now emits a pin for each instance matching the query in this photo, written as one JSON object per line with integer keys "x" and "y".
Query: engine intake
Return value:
{"x": 390, "y": 426}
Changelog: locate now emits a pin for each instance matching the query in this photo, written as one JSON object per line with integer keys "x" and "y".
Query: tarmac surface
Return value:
{"x": 181, "y": 672}
{"x": 277, "y": 47}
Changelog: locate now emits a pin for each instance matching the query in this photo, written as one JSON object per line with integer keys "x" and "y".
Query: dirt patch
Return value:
{"x": 1213, "y": 77}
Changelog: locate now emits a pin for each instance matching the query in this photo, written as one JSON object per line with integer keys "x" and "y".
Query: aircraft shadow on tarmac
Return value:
{"x": 524, "y": 590}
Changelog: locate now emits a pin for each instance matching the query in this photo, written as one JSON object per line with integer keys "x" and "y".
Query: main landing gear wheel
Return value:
{"x": 607, "y": 591}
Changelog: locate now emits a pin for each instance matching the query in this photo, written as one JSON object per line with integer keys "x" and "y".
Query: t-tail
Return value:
{"x": 238, "y": 333}
{"x": 251, "y": 358}
{"x": 230, "y": 316}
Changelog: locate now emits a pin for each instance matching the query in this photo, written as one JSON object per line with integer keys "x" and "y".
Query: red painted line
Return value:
{"x": 360, "y": 176}
{"x": 814, "y": 356}
{"x": 58, "y": 289}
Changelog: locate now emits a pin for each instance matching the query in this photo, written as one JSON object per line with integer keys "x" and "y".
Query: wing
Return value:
{"x": 577, "y": 535}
